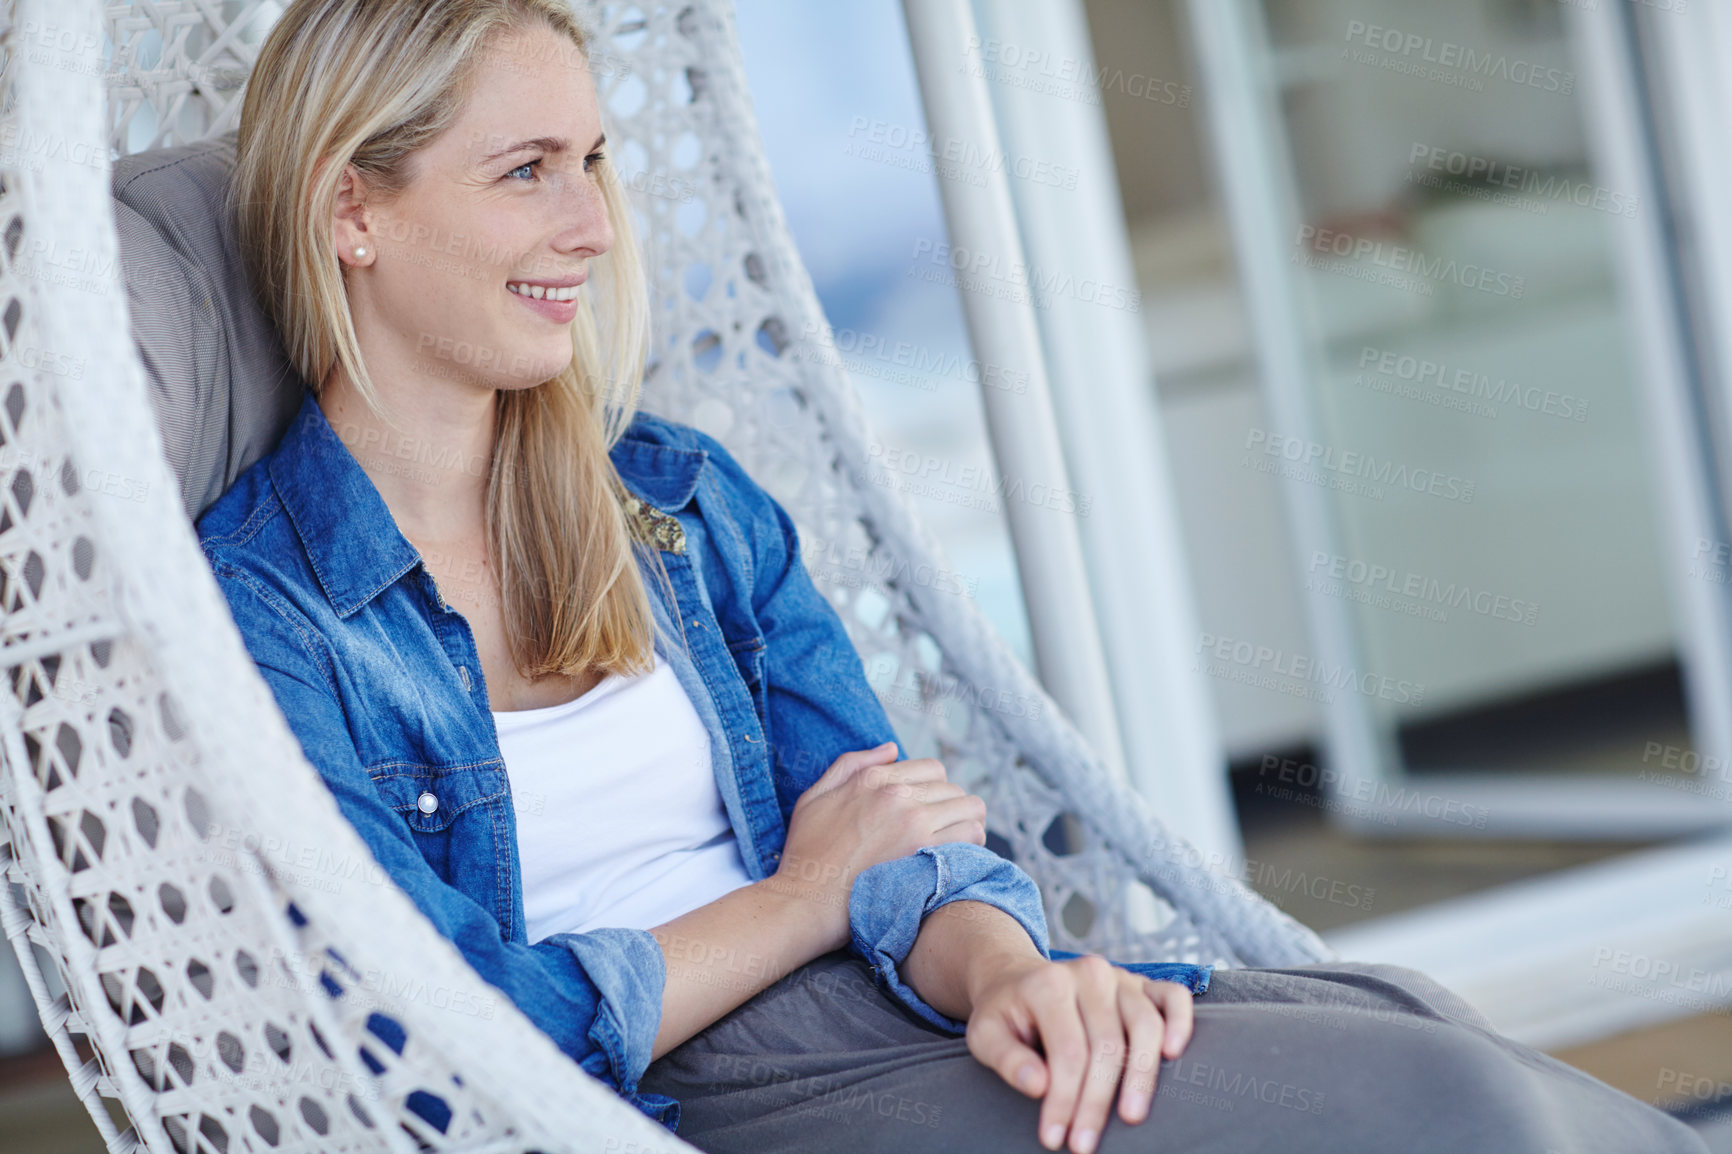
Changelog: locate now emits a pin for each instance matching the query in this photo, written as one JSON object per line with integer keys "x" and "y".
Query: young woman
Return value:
{"x": 561, "y": 666}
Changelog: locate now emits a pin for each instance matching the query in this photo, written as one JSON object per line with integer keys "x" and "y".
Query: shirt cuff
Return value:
{"x": 889, "y": 900}
{"x": 629, "y": 971}
{"x": 1193, "y": 977}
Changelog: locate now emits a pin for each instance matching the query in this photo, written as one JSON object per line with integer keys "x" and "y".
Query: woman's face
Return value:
{"x": 473, "y": 269}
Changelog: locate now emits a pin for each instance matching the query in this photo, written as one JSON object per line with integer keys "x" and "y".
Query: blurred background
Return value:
{"x": 1426, "y": 426}
{"x": 1435, "y": 313}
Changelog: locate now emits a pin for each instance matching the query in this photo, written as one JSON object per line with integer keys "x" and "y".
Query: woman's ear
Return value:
{"x": 351, "y": 221}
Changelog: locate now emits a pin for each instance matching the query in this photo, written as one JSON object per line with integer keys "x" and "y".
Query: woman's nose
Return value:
{"x": 585, "y": 227}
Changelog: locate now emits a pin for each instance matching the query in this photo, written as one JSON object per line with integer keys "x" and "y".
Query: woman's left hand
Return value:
{"x": 1094, "y": 1021}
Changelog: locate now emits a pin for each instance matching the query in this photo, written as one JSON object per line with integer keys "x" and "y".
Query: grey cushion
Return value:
{"x": 222, "y": 385}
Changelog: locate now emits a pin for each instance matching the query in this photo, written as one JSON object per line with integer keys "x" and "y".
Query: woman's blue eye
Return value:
{"x": 593, "y": 159}
{"x": 529, "y": 168}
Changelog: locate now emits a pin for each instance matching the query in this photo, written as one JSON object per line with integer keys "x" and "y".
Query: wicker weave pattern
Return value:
{"x": 179, "y": 67}
{"x": 237, "y": 972}
{"x": 750, "y": 360}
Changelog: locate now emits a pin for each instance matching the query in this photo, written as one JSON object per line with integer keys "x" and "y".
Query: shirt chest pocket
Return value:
{"x": 459, "y": 821}
{"x": 430, "y": 799}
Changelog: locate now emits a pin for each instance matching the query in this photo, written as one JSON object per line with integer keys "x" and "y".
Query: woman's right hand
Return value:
{"x": 869, "y": 808}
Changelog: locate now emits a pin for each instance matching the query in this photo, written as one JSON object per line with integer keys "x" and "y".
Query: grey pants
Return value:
{"x": 1337, "y": 1058}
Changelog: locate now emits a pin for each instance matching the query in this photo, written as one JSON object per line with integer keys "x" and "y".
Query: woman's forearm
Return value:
{"x": 723, "y": 953}
{"x": 957, "y": 945}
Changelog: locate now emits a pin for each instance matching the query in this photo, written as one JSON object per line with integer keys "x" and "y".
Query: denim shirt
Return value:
{"x": 379, "y": 679}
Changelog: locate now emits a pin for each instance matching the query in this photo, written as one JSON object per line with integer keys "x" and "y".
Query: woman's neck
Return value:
{"x": 430, "y": 463}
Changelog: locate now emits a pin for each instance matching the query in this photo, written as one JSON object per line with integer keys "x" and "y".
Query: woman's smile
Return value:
{"x": 555, "y": 300}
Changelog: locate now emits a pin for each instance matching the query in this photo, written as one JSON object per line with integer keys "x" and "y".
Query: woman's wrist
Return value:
{"x": 986, "y": 968}
{"x": 722, "y": 954}
{"x": 819, "y": 900}
{"x": 962, "y": 947}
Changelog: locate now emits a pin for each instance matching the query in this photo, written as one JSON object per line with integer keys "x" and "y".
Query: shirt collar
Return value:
{"x": 349, "y": 534}
{"x": 664, "y": 474}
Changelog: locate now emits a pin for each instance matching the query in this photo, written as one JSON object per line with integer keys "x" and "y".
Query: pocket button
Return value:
{"x": 427, "y": 803}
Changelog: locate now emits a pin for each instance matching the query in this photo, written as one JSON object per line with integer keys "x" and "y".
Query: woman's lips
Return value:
{"x": 543, "y": 298}
{"x": 561, "y": 312}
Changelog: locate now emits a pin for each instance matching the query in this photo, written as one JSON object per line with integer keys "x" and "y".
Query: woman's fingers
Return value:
{"x": 855, "y": 760}
{"x": 996, "y": 1043}
{"x": 1098, "y": 998}
{"x": 968, "y": 831}
{"x": 851, "y": 763}
{"x": 1174, "y": 1001}
{"x": 1102, "y": 1031}
{"x": 1052, "y": 999}
{"x": 935, "y": 791}
{"x": 958, "y": 818}
{"x": 1130, "y": 1025}
{"x": 1145, "y": 1027}
{"x": 902, "y": 778}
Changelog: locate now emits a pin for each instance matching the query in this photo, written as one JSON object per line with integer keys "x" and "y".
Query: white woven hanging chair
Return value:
{"x": 205, "y": 935}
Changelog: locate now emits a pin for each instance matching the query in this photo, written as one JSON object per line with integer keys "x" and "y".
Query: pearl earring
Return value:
{"x": 360, "y": 252}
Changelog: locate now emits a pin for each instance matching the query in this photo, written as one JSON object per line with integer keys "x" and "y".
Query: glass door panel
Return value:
{"x": 1477, "y": 422}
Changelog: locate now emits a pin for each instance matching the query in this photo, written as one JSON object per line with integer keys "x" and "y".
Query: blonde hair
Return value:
{"x": 369, "y": 83}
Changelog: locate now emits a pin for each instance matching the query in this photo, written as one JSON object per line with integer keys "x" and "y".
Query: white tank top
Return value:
{"x": 619, "y": 821}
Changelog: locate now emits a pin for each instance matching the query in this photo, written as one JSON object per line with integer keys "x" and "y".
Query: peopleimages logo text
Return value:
{"x": 1526, "y": 181}
{"x": 1399, "y": 258}
{"x": 1472, "y": 383}
{"x": 1362, "y": 466}
{"x": 1463, "y": 58}
{"x": 1300, "y": 668}
{"x": 1420, "y": 588}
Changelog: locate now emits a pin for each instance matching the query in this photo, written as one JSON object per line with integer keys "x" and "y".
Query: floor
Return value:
{"x": 1684, "y": 1066}
{"x": 39, "y": 1113}
{"x": 1413, "y": 873}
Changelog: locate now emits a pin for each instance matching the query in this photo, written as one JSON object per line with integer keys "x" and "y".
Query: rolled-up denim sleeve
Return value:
{"x": 889, "y": 901}
{"x": 629, "y": 971}
{"x": 598, "y": 995}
